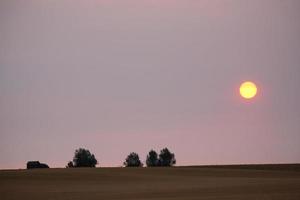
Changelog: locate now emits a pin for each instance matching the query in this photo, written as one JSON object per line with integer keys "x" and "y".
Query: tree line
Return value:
{"x": 84, "y": 158}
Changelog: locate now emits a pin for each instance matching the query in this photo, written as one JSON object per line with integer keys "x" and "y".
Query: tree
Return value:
{"x": 83, "y": 158}
{"x": 166, "y": 158}
{"x": 133, "y": 160}
{"x": 70, "y": 164}
{"x": 152, "y": 159}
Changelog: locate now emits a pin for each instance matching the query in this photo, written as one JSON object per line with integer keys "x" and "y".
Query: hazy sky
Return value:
{"x": 132, "y": 75}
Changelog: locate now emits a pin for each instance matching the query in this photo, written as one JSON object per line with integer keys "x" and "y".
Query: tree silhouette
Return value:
{"x": 133, "y": 160}
{"x": 152, "y": 159}
{"x": 83, "y": 158}
{"x": 166, "y": 158}
{"x": 70, "y": 164}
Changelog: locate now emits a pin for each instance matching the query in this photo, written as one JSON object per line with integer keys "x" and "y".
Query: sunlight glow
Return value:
{"x": 248, "y": 90}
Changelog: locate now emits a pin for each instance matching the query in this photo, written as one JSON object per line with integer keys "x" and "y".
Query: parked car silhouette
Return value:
{"x": 36, "y": 164}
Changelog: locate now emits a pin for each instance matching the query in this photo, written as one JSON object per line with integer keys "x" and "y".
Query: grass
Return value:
{"x": 205, "y": 182}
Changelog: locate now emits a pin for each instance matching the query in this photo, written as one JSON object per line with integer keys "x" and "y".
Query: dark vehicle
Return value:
{"x": 36, "y": 165}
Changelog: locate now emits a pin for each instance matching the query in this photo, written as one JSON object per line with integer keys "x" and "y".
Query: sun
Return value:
{"x": 248, "y": 90}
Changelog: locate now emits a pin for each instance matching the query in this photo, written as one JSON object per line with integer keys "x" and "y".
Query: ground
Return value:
{"x": 185, "y": 183}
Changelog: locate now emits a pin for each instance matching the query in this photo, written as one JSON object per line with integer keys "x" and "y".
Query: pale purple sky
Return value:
{"x": 132, "y": 75}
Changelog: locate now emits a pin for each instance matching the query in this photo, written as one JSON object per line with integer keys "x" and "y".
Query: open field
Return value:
{"x": 153, "y": 183}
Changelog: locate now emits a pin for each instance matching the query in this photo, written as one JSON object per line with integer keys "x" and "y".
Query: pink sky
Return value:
{"x": 123, "y": 76}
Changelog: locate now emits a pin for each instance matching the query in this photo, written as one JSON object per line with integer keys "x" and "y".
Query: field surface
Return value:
{"x": 186, "y": 183}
